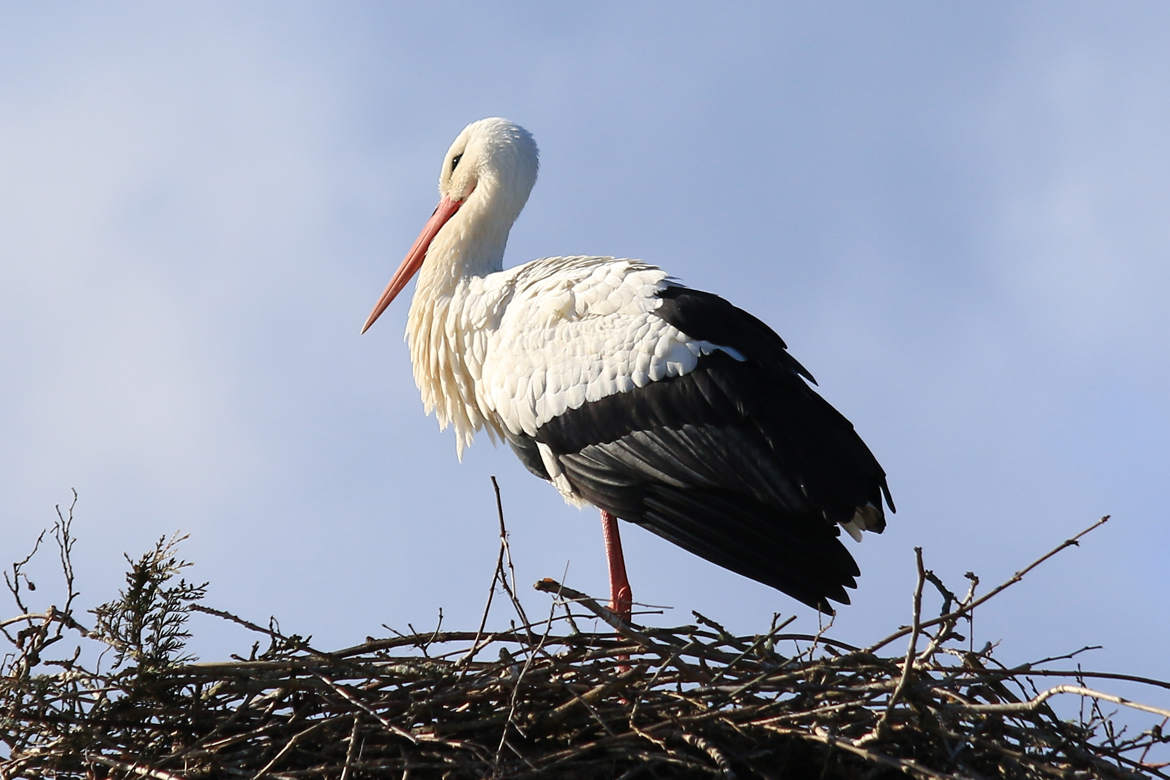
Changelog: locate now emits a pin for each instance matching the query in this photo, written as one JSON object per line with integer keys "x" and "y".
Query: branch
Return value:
{"x": 1036, "y": 701}
{"x": 967, "y": 608}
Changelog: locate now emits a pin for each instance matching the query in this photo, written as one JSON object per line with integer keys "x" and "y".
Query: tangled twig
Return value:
{"x": 692, "y": 700}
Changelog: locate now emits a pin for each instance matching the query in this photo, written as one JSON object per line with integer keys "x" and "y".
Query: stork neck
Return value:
{"x": 441, "y": 338}
{"x": 437, "y": 329}
{"x": 471, "y": 244}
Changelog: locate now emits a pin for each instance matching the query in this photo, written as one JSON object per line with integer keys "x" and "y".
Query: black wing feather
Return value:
{"x": 526, "y": 451}
{"x": 737, "y": 461}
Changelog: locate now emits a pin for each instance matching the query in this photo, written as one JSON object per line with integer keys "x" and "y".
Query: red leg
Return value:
{"x": 620, "y": 595}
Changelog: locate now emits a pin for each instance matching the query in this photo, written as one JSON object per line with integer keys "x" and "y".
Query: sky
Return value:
{"x": 954, "y": 215}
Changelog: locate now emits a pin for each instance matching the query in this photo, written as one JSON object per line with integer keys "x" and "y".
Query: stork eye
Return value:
{"x": 455, "y": 161}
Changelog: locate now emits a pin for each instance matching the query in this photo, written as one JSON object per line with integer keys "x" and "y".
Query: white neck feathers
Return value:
{"x": 491, "y": 167}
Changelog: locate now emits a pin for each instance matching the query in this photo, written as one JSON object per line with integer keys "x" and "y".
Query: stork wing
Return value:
{"x": 673, "y": 409}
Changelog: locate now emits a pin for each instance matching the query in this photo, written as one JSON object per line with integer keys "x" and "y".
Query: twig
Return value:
{"x": 908, "y": 662}
{"x": 288, "y": 746}
{"x": 1036, "y": 701}
{"x": 696, "y": 699}
{"x": 134, "y": 769}
{"x": 1019, "y": 575}
{"x": 386, "y": 724}
{"x": 507, "y": 550}
{"x": 351, "y": 748}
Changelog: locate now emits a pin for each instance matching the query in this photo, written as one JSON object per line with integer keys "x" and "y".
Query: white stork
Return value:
{"x": 661, "y": 405}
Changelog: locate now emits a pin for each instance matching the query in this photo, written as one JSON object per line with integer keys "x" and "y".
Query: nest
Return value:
{"x": 544, "y": 697}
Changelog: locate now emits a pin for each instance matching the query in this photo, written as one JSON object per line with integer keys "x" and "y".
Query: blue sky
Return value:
{"x": 955, "y": 217}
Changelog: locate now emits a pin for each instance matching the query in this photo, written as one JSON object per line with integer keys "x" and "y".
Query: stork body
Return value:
{"x": 661, "y": 405}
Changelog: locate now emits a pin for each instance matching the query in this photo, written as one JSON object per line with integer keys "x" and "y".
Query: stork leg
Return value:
{"x": 621, "y": 597}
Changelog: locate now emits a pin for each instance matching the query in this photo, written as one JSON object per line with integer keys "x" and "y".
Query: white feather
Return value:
{"x": 514, "y": 349}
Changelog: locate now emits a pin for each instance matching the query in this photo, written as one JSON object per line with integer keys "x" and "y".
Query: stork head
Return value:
{"x": 486, "y": 177}
{"x": 494, "y": 154}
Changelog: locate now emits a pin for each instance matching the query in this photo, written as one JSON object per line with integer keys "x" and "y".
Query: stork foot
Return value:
{"x": 621, "y": 602}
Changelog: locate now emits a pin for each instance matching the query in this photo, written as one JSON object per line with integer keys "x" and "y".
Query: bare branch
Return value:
{"x": 544, "y": 698}
{"x": 1019, "y": 575}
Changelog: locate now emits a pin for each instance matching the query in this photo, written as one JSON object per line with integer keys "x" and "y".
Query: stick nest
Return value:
{"x": 544, "y": 697}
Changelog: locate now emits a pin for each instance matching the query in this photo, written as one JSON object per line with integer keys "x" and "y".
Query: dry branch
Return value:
{"x": 644, "y": 701}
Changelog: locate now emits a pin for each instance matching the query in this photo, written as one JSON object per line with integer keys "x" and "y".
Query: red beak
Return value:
{"x": 414, "y": 258}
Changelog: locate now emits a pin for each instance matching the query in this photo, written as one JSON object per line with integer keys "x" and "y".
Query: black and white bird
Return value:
{"x": 659, "y": 404}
